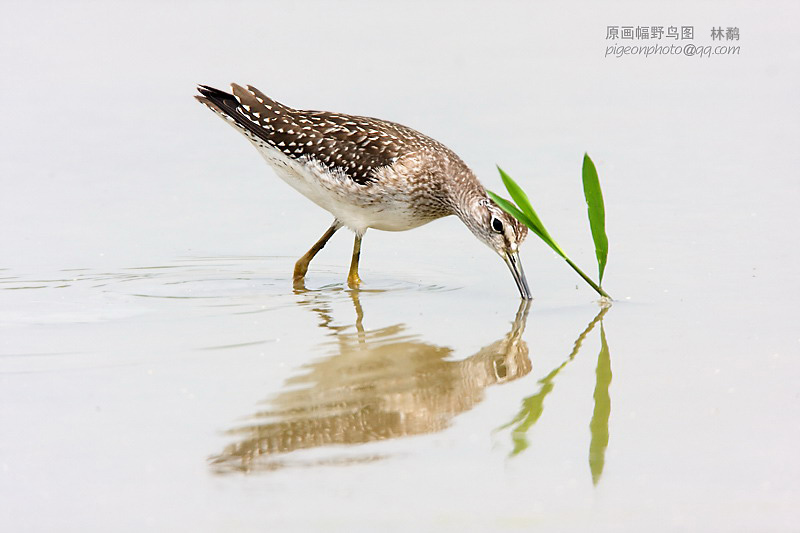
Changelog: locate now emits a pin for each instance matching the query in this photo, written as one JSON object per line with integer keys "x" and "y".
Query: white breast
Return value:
{"x": 358, "y": 207}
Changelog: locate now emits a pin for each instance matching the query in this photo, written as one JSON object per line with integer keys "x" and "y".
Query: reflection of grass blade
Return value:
{"x": 602, "y": 411}
{"x": 597, "y": 213}
{"x": 533, "y": 406}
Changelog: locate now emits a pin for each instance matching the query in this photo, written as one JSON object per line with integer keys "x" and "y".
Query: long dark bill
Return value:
{"x": 515, "y": 266}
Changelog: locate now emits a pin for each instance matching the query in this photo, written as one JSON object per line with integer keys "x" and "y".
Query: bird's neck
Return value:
{"x": 466, "y": 195}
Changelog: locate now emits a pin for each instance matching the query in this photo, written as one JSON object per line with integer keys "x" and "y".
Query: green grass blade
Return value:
{"x": 525, "y": 213}
{"x": 597, "y": 213}
{"x": 602, "y": 411}
{"x": 587, "y": 279}
{"x": 521, "y": 199}
{"x": 519, "y": 196}
{"x": 511, "y": 209}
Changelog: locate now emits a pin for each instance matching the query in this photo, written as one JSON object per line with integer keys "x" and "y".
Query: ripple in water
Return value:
{"x": 220, "y": 281}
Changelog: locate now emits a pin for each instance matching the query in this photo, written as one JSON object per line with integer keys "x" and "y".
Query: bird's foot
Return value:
{"x": 299, "y": 284}
{"x": 299, "y": 276}
{"x": 353, "y": 281}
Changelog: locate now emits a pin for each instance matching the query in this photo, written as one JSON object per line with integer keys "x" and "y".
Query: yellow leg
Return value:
{"x": 301, "y": 267}
{"x": 353, "y": 281}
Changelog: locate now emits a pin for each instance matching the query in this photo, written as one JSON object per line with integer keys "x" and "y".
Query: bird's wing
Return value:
{"x": 356, "y": 146}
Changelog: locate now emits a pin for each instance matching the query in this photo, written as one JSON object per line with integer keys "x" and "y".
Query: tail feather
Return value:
{"x": 249, "y": 109}
{"x": 254, "y": 101}
{"x": 223, "y": 101}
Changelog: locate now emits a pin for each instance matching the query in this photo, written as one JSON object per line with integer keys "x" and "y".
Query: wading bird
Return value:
{"x": 368, "y": 173}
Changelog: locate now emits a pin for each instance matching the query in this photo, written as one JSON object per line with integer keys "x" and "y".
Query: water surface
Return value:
{"x": 158, "y": 371}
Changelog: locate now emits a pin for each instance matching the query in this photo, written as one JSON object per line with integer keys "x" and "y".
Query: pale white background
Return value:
{"x": 111, "y": 401}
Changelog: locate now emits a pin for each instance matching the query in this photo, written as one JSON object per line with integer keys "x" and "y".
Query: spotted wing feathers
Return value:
{"x": 356, "y": 146}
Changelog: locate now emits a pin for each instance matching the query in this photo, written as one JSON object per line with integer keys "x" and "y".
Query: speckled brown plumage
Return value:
{"x": 367, "y": 172}
{"x": 358, "y": 146}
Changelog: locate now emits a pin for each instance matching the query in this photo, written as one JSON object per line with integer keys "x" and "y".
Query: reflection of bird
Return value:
{"x": 381, "y": 384}
{"x": 368, "y": 173}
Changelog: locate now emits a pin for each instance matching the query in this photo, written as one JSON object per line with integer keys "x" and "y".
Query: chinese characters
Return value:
{"x": 675, "y": 33}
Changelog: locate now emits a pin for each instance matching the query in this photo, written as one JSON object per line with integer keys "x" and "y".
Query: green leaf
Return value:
{"x": 519, "y": 196}
{"x": 525, "y": 213}
{"x": 512, "y": 210}
{"x": 597, "y": 213}
{"x": 533, "y": 222}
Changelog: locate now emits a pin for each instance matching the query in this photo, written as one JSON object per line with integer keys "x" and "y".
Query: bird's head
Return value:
{"x": 502, "y": 233}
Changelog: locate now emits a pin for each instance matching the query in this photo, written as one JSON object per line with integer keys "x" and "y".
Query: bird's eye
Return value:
{"x": 500, "y": 368}
{"x": 497, "y": 225}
